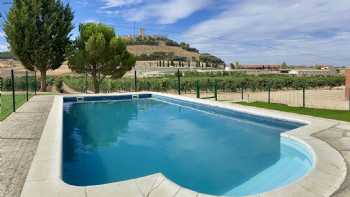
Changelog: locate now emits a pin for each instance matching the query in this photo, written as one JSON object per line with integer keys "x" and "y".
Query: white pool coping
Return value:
{"x": 44, "y": 177}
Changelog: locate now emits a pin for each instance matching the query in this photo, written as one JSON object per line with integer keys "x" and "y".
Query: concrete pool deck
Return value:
{"x": 40, "y": 182}
{"x": 19, "y": 137}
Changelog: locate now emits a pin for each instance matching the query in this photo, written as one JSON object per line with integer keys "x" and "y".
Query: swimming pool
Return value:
{"x": 207, "y": 149}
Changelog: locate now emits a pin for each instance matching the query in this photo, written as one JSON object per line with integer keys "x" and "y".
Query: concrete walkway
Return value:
{"x": 19, "y": 137}
{"x": 339, "y": 138}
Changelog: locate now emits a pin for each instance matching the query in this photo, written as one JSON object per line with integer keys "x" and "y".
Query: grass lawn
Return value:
{"x": 6, "y": 104}
{"x": 323, "y": 113}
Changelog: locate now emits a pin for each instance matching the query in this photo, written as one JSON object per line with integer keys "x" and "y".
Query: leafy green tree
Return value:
{"x": 210, "y": 59}
{"x": 284, "y": 65}
{"x": 317, "y": 66}
{"x": 237, "y": 65}
{"x": 100, "y": 53}
{"x": 38, "y": 34}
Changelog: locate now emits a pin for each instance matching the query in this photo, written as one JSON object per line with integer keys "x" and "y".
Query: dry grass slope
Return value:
{"x": 148, "y": 49}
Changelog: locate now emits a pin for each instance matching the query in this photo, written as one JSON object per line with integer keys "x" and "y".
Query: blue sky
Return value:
{"x": 300, "y": 32}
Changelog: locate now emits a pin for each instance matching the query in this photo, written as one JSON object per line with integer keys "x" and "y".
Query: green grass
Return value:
{"x": 323, "y": 113}
{"x": 6, "y": 104}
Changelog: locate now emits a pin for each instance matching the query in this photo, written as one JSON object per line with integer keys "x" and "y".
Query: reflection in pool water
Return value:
{"x": 207, "y": 152}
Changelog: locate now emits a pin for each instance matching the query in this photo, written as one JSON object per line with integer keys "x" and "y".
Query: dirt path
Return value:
{"x": 69, "y": 90}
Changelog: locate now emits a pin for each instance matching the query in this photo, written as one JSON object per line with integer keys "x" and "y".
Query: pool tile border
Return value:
{"x": 44, "y": 177}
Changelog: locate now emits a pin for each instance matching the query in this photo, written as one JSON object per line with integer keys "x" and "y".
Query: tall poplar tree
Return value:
{"x": 38, "y": 34}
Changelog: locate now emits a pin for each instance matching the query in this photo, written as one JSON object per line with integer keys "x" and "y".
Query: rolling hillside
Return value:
{"x": 162, "y": 47}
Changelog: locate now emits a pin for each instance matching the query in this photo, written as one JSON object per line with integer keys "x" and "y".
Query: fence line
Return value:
{"x": 16, "y": 90}
{"x": 302, "y": 97}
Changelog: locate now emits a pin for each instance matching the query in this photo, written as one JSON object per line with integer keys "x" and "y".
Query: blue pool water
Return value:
{"x": 209, "y": 150}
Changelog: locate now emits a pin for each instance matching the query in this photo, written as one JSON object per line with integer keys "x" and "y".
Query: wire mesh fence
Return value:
{"x": 16, "y": 87}
{"x": 318, "y": 96}
{"x": 325, "y": 98}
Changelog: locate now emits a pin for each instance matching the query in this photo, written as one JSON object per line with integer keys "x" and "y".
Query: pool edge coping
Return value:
{"x": 45, "y": 172}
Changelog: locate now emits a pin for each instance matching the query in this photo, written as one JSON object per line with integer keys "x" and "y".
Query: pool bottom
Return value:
{"x": 294, "y": 164}
{"x": 95, "y": 142}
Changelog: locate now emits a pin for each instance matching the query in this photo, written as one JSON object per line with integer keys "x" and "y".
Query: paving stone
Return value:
{"x": 19, "y": 138}
{"x": 339, "y": 138}
{"x": 332, "y": 133}
{"x": 341, "y": 144}
{"x": 23, "y": 125}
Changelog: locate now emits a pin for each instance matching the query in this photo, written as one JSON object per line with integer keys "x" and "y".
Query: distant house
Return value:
{"x": 261, "y": 67}
{"x": 323, "y": 67}
{"x": 313, "y": 72}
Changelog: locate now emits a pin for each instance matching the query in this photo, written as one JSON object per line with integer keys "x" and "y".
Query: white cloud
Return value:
{"x": 91, "y": 21}
{"x": 119, "y": 3}
{"x": 162, "y": 11}
{"x": 82, "y": 2}
{"x": 3, "y": 43}
{"x": 297, "y": 31}
{"x": 4, "y": 47}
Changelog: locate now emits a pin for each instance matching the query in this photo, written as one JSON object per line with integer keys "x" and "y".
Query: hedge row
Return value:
{"x": 224, "y": 83}
{"x": 20, "y": 83}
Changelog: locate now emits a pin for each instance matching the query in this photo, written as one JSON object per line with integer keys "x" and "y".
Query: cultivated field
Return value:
{"x": 7, "y": 65}
{"x": 315, "y": 98}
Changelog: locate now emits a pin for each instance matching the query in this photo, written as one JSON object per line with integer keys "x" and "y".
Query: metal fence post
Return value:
{"x": 27, "y": 86}
{"x": 349, "y": 98}
{"x": 86, "y": 82}
{"x": 198, "y": 90}
{"x": 303, "y": 97}
{"x": 216, "y": 90}
{"x": 135, "y": 80}
{"x": 178, "y": 82}
{"x": 0, "y": 93}
{"x": 269, "y": 97}
{"x": 35, "y": 82}
{"x": 13, "y": 91}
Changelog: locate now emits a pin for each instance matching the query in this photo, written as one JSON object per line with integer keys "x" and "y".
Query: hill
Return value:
{"x": 150, "y": 48}
{"x": 6, "y": 55}
{"x": 149, "y": 52}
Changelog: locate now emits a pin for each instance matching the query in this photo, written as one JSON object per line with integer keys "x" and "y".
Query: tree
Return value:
{"x": 284, "y": 65}
{"x": 317, "y": 66}
{"x": 38, "y": 34}
{"x": 237, "y": 65}
{"x": 100, "y": 53}
{"x": 210, "y": 59}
